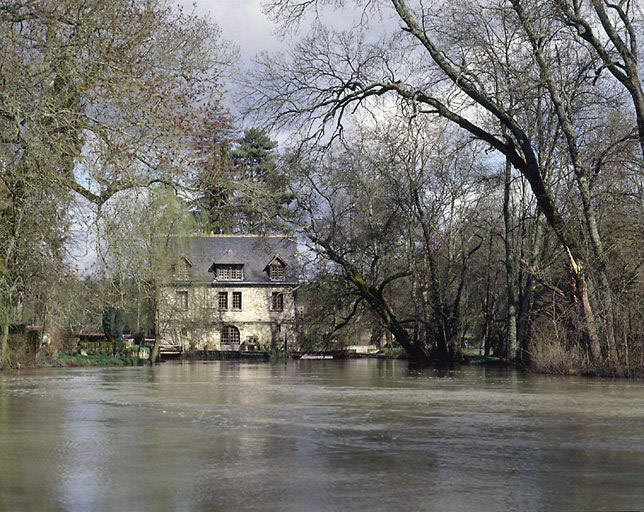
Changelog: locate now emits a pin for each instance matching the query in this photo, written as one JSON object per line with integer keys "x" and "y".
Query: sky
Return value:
{"x": 248, "y": 29}
{"x": 242, "y": 22}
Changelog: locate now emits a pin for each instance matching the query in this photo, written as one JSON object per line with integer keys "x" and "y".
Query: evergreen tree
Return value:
{"x": 214, "y": 203}
{"x": 254, "y": 157}
{"x": 260, "y": 184}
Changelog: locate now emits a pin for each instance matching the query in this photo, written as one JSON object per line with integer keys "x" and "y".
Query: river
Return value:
{"x": 318, "y": 435}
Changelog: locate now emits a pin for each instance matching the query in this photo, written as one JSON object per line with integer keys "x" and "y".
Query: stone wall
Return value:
{"x": 199, "y": 325}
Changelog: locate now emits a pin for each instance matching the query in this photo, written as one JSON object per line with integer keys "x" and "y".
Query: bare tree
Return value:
{"x": 617, "y": 48}
{"x": 329, "y": 74}
{"x": 96, "y": 98}
{"x": 348, "y": 217}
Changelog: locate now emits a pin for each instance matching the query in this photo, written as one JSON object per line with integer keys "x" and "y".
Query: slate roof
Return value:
{"x": 255, "y": 252}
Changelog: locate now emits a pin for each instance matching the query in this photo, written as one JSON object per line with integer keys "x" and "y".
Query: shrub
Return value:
{"x": 551, "y": 351}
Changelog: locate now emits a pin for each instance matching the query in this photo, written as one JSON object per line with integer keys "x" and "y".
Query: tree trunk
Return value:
{"x": 630, "y": 79}
{"x": 526, "y": 295}
{"x": 155, "y": 350}
{"x": 512, "y": 346}
{"x": 413, "y": 350}
{"x": 638, "y": 101}
{"x": 154, "y": 353}
{"x": 439, "y": 308}
{"x": 4, "y": 362}
{"x": 487, "y": 313}
{"x": 375, "y": 299}
{"x": 580, "y": 172}
{"x": 580, "y": 290}
{"x": 605, "y": 292}
{"x": 440, "y": 314}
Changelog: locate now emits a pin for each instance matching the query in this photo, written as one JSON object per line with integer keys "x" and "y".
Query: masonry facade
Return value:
{"x": 229, "y": 293}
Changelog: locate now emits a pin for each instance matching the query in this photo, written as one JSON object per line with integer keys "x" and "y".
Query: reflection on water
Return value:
{"x": 318, "y": 435}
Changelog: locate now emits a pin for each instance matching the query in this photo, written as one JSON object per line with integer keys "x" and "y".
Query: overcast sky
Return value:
{"x": 242, "y": 22}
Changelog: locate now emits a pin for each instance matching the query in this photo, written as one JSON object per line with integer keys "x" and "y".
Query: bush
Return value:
{"x": 551, "y": 351}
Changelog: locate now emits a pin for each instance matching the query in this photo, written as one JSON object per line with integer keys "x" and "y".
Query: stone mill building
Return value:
{"x": 229, "y": 293}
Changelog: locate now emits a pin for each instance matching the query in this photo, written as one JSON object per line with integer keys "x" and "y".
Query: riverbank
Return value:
{"x": 62, "y": 360}
{"x": 610, "y": 372}
{"x": 76, "y": 359}
{"x": 28, "y": 350}
{"x": 614, "y": 372}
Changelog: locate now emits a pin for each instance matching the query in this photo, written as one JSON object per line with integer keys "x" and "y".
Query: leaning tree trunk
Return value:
{"x": 413, "y": 348}
{"x": 374, "y": 296}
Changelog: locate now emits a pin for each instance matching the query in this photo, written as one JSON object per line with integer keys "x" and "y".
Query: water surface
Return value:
{"x": 318, "y": 435}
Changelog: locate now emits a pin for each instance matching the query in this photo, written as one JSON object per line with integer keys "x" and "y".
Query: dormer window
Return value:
{"x": 229, "y": 272}
{"x": 276, "y": 271}
{"x": 181, "y": 270}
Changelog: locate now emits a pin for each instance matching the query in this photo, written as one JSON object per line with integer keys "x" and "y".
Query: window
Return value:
{"x": 237, "y": 301}
{"x": 277, "y": 301}
{"x": 222, "y": 300}
{"x": 229, "y": 272}
{"x": 180, "y": 270}
{"x": 182, "y": 300}
{"x": 276, "y": 271}
{"x": 230, "y": 334}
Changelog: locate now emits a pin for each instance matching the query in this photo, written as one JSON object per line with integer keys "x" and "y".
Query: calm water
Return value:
{"x": 318, "y": 435}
